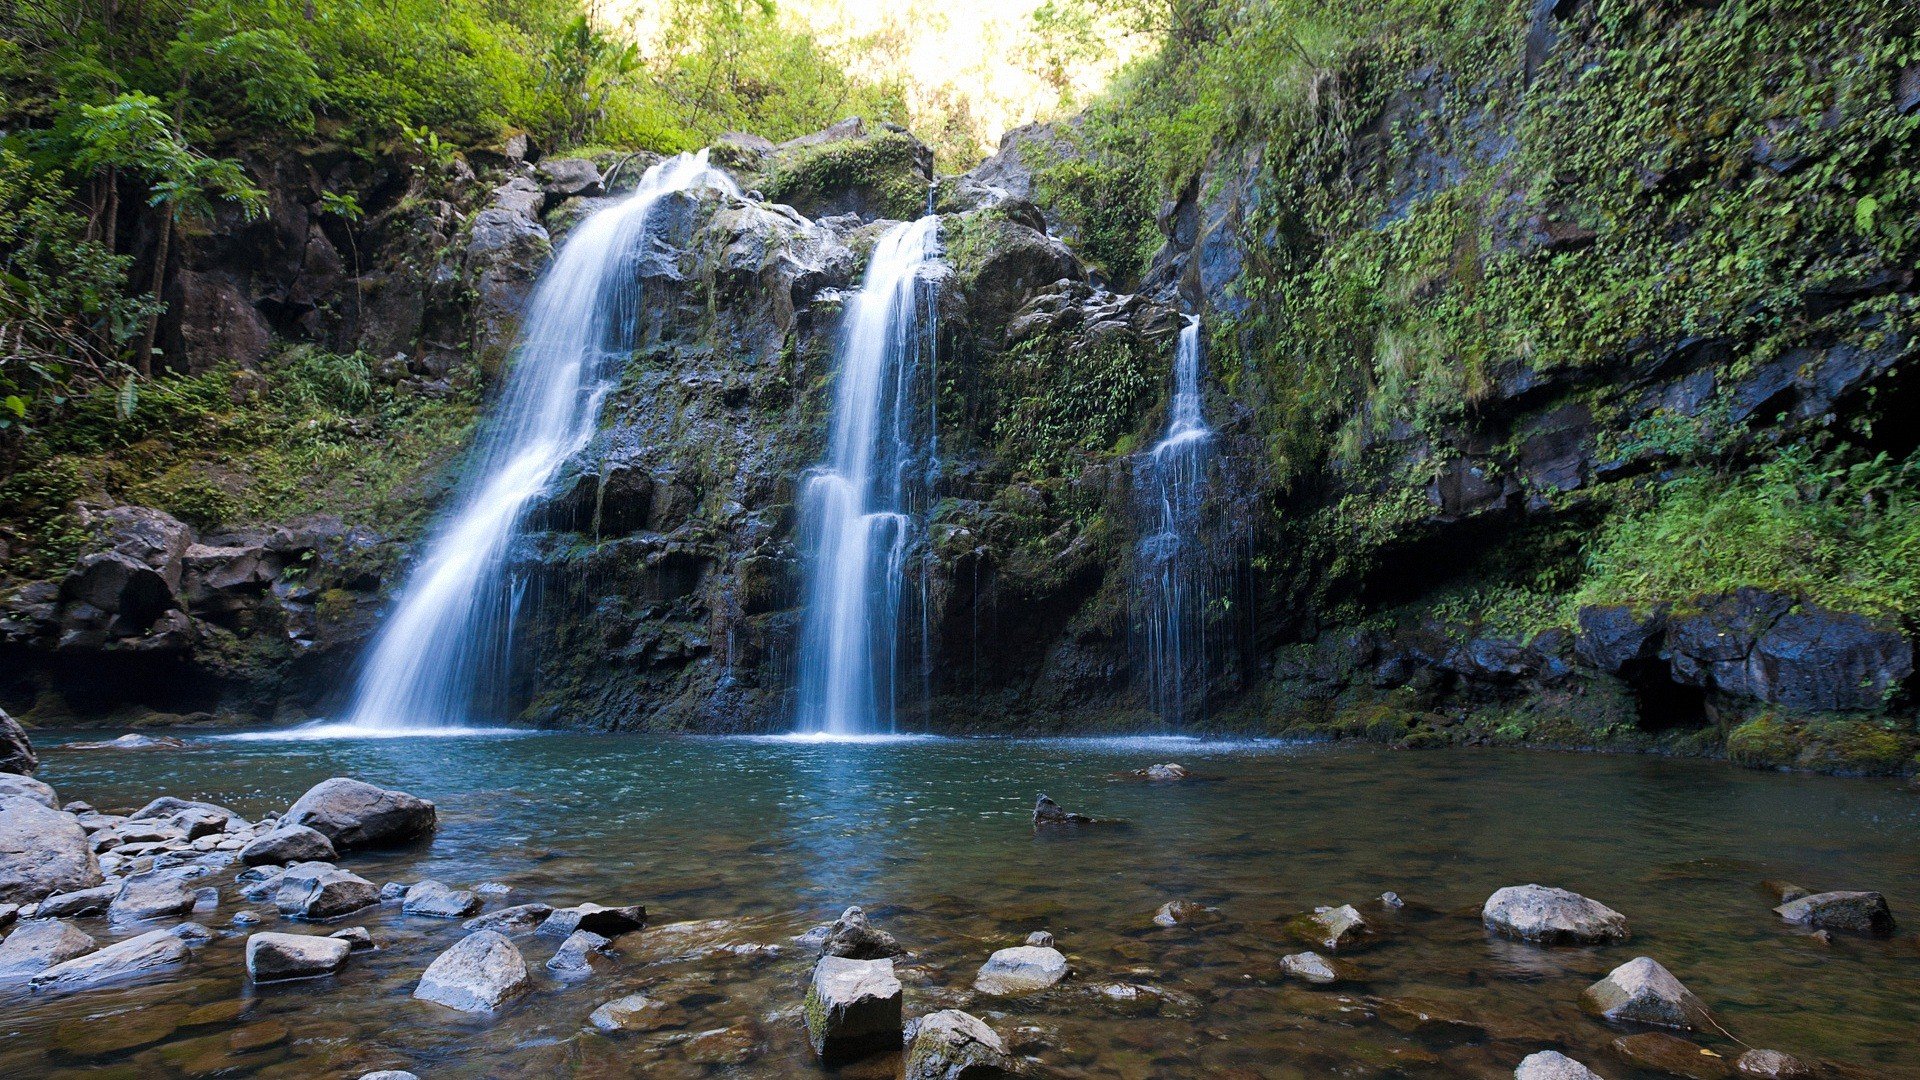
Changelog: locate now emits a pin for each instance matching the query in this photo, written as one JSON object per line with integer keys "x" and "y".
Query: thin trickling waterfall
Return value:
{"x": 1175, "y": 577}
{"x": 440, "y": 660}
{"x": 864, "y": 506}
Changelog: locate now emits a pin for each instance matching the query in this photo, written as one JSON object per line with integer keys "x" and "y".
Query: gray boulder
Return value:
{"x": 27, "y": 787}
{"x": 1640, "y": 991}
{"x": 353, "y": 814}
{"x": 1552, "y": 1065}
{"x": 78, "y": 902}
{"x": 573, "y": 960}
{"x": 635, "y": 1012}
{"x": 608, "y": 922}
{"x": 518, "y": 919}
{"x": 1772, "y": 1065}
{"x": 152, "y": 954}
{"x": 853, "y": 1008}
{"x": 1854, "y": 912}
{"x": 1330, "y": 928}
{"x": 853, "y": 937}
{"x": 289, "y": 844}
{"x": 167, "y": 807}
{"x": 38, "y": 944}
{"x": 952, "y": 1045}
{"x": 42, "y": 852}
{"x": 1025, "y": 969}
{"x": 1552, "y": 916}
{"x": 563, "y": 177}
{"x": 319, "y": 891}
{"x": 159, "y": 894}
{"x": 1311, "y": 967}
{"x": 275, "y": 957}
{"x": 356, "y": 937}
{"x": 435, "y": 900}
{"x": 16, "y": 750}
{"x": 478, "y": 975}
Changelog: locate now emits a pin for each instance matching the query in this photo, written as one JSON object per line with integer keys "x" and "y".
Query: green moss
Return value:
{"x": 1829, "y": 744}
{"x": 881, "y": 167}
{"x": 1068, "y": 400}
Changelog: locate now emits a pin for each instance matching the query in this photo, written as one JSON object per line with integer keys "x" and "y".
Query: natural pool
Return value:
{"x": 758, "y": 840}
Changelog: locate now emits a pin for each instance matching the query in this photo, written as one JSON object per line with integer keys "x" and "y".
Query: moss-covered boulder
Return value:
{"x": 877, "y": 171}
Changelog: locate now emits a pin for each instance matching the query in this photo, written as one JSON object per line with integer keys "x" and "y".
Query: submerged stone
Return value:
{"x": 1672, "y": 1056}
{"x": 1772, "y": 1065}
{"x": 853, "y": 1008}
{"x": 1551, "y": 916}
{"x": 1181, "y": 912}
{"x": 1552, "y": 1065}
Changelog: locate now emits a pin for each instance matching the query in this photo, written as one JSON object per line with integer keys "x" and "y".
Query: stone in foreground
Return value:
{"x": 42, "y": 851}
{"x": 1330, "y": 928}
{"x": 274, "y": 957}
{"x": 574, "y": 958}
{"x": 435, "y": 900}
{"x": 1853, "y": 912}
{"x": 1552, "y": 1065}
{"x": 353, "y": 814}
{"x": 289, "y": 844}
{"x": 1772, "y": 1065}
{"x": 1313, "y": 968}
{"x": 635, "y": 1012}
{"x": 1551, "y": 916}
{"x": 478, "y": 975}
{"x": 1670, "y": 1056}
{"x": 952, "y": 1045}
{"x": 1026, "y": 969}
{"x": 38, "y": 944}
{"x": 152, "y": 954}
{"x": 853, "y": 1008}
{"x": 854, "y": 938}
{"x": 1640, "y": 991}
{"x": 316, "y": 892}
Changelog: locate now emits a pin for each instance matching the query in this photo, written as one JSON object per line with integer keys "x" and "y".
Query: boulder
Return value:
{"x": 1552, "y": 1065}
{"x": 289, "y": 844}
{"x": 197, "y": 822}
{"x": 1669, "y": 1056}
{"x": 1040, "y": 939}
{"x": 518, "y": 919}
{"x": 158, "y": 894}
{"x": 1640, "y": 991}
{"x": 353, "y": 814}
{"x": 1827, "y": 660}
{"x": 131, "y": 592}
{"x": 1330, "y": 928}
{"x": 1048, "y": 812}
{"x": 478, "y": 975}
{"x": 433, "y": 899}
{"x": 1854, "y": 912}
{"x": 13, "y": 785}
{"x": 1311, "y": 967}
{"x": 16, "y": 750}
{"x": 853, "y": 937}
{"x": 1026, "y": 969}
{"x": 853, "y": 1008}
{"x": 167, "y": 807}
{"x": 1181, "y": 912}
{"x": 42, "y": 851}
{"x": 1772, "y": 1065}
{"x": 318, "y": 891}
{"x": 564, "y": 177}
{"x": 38, "y": 944}
{"x": 274, "y": 957}
{"x": 635, "y": 1012}
{"x": 79, "y": 902}
{"x": 356, "y": 937}
{"x": 192, "y": 933}
{"x": 1552, "y": 916}
{"x": 573, "y": 960}
{"x": 952, "y": 1045}
{"x": 150, "y": 955}
{"x": 1612, "y": 637}
{"x": 608, "y": 922}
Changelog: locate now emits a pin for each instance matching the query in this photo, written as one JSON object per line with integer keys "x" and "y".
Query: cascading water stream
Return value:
{"x": 860, "y": 510}
{"x": 1174, "y": 571}
{"x": 441, "y": 657}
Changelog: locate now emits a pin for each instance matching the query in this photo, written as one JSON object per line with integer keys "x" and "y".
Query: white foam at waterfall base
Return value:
{"x": 326, "y": 730}
{"x": 442, "y": 655}
{"x": 858, "y": 514}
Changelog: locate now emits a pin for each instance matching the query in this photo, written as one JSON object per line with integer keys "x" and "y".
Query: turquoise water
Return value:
{"x": 756, "y": 840}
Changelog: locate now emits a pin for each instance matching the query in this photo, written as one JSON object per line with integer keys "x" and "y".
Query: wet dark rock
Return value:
{"x": 953, "y": 1045}
{"x": 573, "y": 960}
{"x": 1048, "y": 812}
{"x": 13, "y": 785}
{"x": 1772, "y": 1065}
{"x": 79, "y": 902}
{"x": 852, "y": 1008}
{"x": 1330, "y": 928}
{"x": 853, "y": 937}
{"x": 1552, "y": 1065}
{"x": 10, "y": 912}
{"x": 319, "y": 891}
{"x": 608, "y": 922}
{"x": 42, "y": 851}
{"x": 1672, "y": 1056}
{"x": 1182, "y": 912}
{"x": 433, "y": 899}
{"x": 1392, "y": 901}
{"x": 16, "y": 750}
{"x": 564, "y": 177}
{"x": 519, "y": 919}
{"x": 289, "y": 844}
{"x": 353, "y": 814}
{"x": 1762, "y": 645}
{"x": 151, "y": 955}
{"x": 1853, "y": 912}
{"x": 1025, "y": 969}
{"x": 478, "y": 975}
{"x": 157, "y": 895}
{"x": 38, "y": 944}
{"x": 1311, "y": 967}
{"x": 1552, "y": 916}
{"x": 1610, "y": 638}
{"x": 1641, "y": 991}
{"x": 635, "y": 1012}
{"x": 274, "y": 957}
{"x": 358, "y": 938}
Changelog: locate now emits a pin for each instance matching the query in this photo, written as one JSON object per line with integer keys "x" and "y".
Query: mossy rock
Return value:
{"x": 884, "y": 173}
{"x": 1828, "y": 744}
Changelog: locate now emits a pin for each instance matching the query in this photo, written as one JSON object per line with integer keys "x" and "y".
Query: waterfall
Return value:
{"x": 1175, "y": 577}
{"x": 863, "y": 506}
{"x": 442, "y": 655}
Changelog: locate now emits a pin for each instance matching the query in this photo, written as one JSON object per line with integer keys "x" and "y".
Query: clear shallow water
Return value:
{"x": 759, "y": 839}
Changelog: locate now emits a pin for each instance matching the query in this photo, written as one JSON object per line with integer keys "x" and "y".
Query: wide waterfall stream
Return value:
{"x": 737, "y": 845}
{"x": 440, "y": 658}
{"x": 859, "y": 525}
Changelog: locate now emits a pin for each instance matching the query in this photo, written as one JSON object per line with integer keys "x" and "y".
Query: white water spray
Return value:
{"x": 860, "y": 505}
{"x": 1174, "y": 572}
{"x": 443, "y": 653}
